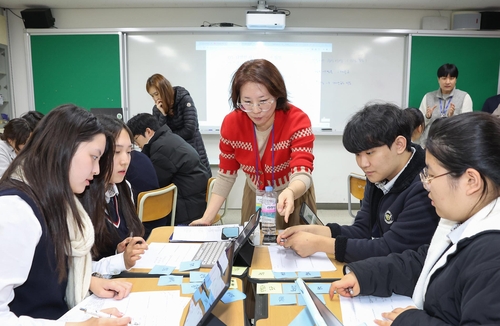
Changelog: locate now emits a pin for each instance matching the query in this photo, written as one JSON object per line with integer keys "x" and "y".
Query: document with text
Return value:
{"x": 287, "y": 260}
{"x": 167, "y": 254}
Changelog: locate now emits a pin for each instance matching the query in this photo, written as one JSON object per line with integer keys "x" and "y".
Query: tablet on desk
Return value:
{"x": 308, "y": 216}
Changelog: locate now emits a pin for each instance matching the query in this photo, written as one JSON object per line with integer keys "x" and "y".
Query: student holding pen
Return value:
{"x": 455, "y": 279}
{"x": 47, "y": 235}
{"x": 115, "y": 219}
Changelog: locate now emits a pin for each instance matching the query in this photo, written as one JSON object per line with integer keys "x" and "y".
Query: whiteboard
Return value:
{"x": 329, "y": 76}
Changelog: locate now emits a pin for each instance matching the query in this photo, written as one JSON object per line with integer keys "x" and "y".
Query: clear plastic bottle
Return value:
{"x": 268, "y": 215}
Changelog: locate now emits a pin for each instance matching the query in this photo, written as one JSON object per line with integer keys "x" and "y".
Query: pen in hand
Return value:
{"x": 98, "y": 314}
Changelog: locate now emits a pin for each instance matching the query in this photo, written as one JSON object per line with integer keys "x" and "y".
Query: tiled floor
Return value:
{"x": 341, "y": 217}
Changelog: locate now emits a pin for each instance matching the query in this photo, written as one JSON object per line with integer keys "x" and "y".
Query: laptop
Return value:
{"x": 318, "y": 310}
{"x": 210, "y": 251}
{"x": 308, "y": 216}
{"x": 115, "y": 112}
{"x": 215, "y": 285}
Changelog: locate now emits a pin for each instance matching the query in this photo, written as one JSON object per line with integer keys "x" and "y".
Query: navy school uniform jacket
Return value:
{"x": 401, "y": 219}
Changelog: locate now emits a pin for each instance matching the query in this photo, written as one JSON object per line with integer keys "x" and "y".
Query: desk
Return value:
{"x": 265, "y": 314}
{"x": 262, "y": 260}
{"x": 230, "y": 314}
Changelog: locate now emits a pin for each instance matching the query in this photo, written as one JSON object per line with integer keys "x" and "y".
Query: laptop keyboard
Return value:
{"x": 210, "y": 252}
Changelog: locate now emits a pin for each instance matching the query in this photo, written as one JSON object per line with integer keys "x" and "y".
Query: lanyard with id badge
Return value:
{"x": 269, "y": 235}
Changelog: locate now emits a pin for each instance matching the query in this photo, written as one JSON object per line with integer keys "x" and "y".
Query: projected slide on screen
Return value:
{"x": 292, "y": 59}
{"x": 329, "y": 76}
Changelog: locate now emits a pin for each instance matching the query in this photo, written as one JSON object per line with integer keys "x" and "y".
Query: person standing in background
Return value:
{"x": 446, "y": 101}
{"x": 417, "y": 124}
{"x": 175, "y": 108}
{"x": 271, "y": 140}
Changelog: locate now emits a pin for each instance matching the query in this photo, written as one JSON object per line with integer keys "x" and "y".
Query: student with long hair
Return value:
{"x": 117, "y": 226}
{"x": 455, "y": 279}
{"x": 15, "y": 134}
{"x": 47, "y": 235}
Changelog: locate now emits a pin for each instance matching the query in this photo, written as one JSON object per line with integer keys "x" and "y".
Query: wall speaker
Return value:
{"x": 490, "y": 20}
{"x": 466, "y": 20}
{"x": 37, "y": 18}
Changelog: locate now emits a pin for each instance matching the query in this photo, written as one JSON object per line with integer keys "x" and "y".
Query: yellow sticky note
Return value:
{"x": 262, "y": 273}
{"x": 233, "y": 284}
{"x": 264, "y": 288}
{"x": 237, "y": 270}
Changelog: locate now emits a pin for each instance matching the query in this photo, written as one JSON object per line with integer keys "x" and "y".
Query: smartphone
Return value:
{"x": 308, "y": 216}
{"x": 229, "y": 233}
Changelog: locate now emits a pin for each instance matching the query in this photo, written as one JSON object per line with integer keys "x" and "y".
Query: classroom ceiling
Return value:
{"x": 452, "y": 5}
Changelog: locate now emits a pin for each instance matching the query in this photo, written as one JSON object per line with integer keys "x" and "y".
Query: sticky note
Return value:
{"x": 197, "y": 277}
{"x": 170, "y": 280}
{"x": 189, "y": 288}
{"x": 162, "y": 269}
{"x": 290, "y": 288}
{"x": 197, "y": 295}
{"x": 262, "y": 273}
{"x": 280, "y": 275}
{"x": 264, "y": 288}
{"x": 238, "y": 271}
{"x": 303, "y": 303}
{"x": 282, "y": 299}
{"x": 304, "y": 318}
{"x": 319, "y": 288}
{"x": 189, "y": 265}
{"x": 233, "y": 295}
{"x": 309, "y": 274}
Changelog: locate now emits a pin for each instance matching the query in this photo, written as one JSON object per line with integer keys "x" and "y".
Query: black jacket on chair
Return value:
{"x": 175, "y": 161}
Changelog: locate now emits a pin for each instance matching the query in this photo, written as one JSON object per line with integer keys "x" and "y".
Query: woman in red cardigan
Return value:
{"x": 270, "y": 140}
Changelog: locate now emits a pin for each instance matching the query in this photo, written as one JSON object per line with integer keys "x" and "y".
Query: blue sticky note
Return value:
{"x": 319, "y": 288}
{"x": 282, "y": 299}
{"x": 280, "y": 275}
{"x": 197, "y": 295}
{"x": 197, "y": 277}
{"x": 170, "y": 280}
{"x": 189, "y": 265}
{"x": 309, "y": 274}
{"x": 290, "y": 288}
{"x": 162, "y": 269}
{"x": 304, "y": 318}
{"x": 303, "y": 303}
{"x": 233, "y": 295}
{"x": 205, "y": 301}
{"x": 189, "y": 288}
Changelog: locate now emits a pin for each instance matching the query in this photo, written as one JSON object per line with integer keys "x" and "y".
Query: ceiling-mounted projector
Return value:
{"x": 265, "y": 19}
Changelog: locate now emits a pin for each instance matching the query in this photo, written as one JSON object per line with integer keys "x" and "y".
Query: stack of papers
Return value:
{"x": 199, "y": 233}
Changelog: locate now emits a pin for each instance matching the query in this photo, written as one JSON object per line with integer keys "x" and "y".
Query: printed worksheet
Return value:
{"x": 287, "y": 260}
{"x": 151, "y": 308}
{"x": 167, "y": 254}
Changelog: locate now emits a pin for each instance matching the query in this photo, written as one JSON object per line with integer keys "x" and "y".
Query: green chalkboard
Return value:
{"x": 79, "y": 69}
{"x": 477, "y": 60}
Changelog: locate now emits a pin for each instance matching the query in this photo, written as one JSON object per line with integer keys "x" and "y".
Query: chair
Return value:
{"x": 210, "y": 186}
{"x": 158, "y": 203}
{"x": 356, "y": 187}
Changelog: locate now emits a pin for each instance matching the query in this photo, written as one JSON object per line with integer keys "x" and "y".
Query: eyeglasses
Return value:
{"x": 264, "y": 106}
{"x": 426, "y": 178}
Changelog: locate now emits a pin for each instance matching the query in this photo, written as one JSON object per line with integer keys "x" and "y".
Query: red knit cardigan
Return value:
{"x": 293, "y": 146}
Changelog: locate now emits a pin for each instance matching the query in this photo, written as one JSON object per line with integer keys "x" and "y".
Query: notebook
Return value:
{"x": 308, "y": 216}
{"x": 319, "y": 311}
{"x": 115, "y": 112}
{"x": 215, "y": 285}
{"x": 209, "y": 251}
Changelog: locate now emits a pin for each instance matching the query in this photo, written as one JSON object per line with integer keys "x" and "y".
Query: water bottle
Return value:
{"x": 268, "y": 215}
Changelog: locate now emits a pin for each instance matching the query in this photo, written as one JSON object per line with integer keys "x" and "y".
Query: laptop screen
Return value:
{"x": 328, "y": 316}
{"x": 215, "y": 285}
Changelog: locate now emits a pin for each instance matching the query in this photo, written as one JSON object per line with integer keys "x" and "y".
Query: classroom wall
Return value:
{"x": 332, "y": 162}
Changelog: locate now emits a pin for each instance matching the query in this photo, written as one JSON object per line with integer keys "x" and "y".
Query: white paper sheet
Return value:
{"x": 167, "y": 254}
{"x": 365, "y": 309}
{"x": 151, "y": 308}
{"x": 199, "y": 233}
{"x": 286, "y": 260}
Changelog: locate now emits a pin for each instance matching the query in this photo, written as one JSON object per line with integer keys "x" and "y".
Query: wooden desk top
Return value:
{"x": 262, "y": 260}
{"x": 230, "y": 314}
{"x": 160, "y": 234}
{"x": 284, "y": 315}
